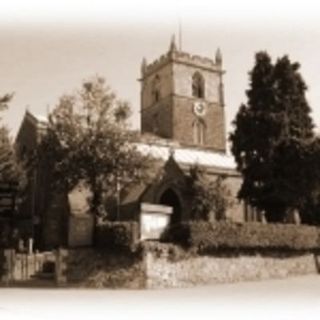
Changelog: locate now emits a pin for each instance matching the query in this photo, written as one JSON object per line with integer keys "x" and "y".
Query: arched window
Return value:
{"x": 198, "y": 85}
{"x": 199, "y": 132}
{"x": 156, "y": 89}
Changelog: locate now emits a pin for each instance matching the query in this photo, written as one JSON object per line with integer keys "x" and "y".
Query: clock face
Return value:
{"x": 199, "y": 108}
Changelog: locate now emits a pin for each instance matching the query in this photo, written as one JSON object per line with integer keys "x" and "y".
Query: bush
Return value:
{"x": 210, "y": 198}
{"x": 117, "y": 235}
{"x": 207, "y": 236}
{"x": 169, "y": 251}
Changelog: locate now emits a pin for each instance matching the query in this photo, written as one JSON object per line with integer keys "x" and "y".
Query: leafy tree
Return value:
{"x": 210, "y": 197}
{"x": 10, "y": 169}
{"x": 4, "y": 100}
{"x": 87, "y": 141}
{"x": 273, "y": 141}
{"x": 7, "y": 158}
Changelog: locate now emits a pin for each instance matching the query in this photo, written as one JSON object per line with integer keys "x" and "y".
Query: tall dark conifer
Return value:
{"x": 295, "y": 168}
{"x": 273, "y": 140}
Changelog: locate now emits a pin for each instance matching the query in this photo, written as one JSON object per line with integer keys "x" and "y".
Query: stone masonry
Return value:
{"x": 171, "y": 115}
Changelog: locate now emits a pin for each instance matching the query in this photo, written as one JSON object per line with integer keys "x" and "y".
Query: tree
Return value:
{"x": 87, "y": 141}
{"x": 310, "y": 207}
{"x": 210, "y": 197}
{"x": 273, "y": 140}
{"x": 4, "y": 100}
{"x": 10, "y": 169}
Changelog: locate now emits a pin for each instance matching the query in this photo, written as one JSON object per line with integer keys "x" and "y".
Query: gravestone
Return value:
{"x": 81, "y": 222}
{"x": 80, "y": 230}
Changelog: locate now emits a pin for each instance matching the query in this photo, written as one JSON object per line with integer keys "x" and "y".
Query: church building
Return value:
{"x": 182, "y": 125}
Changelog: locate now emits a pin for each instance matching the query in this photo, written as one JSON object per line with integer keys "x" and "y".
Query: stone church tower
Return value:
{"x": 182, "y": 99}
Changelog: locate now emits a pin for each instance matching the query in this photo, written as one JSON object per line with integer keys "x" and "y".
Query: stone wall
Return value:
{"x": 158, "y": 118}
{"x": 161, "y": 266}
{"x": 167, "y": 266}
{"x": 165, "y": 272}
{"x": 184, "y": 119}
{"x": 183, "y": 81}
{"x": 165, "y": 86}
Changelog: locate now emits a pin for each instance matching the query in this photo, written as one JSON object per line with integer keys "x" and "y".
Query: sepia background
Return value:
{"x": 48, "y": 48}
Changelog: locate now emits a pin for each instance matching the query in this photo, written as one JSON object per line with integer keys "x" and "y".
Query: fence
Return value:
{"x": 25, "y": 267}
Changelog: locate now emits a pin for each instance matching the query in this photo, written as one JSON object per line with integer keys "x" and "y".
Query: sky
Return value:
{"x": 49, "y": 48}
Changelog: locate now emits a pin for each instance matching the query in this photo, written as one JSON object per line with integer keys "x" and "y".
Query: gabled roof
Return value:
{"x": 36, "y": 119}
{"x": 134, "y": 193}
{"x": 38, "y": 122}
{"x": 41, "y": 119}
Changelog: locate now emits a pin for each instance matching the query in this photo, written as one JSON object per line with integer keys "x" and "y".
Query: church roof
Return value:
{"x": 161, "y": 149}
{"x": 188, "y": 156}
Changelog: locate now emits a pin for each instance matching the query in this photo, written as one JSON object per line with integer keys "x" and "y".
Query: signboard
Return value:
{"x": 153, "y": 220}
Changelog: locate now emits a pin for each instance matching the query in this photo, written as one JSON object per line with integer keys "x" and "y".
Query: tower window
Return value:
{"x": 156, "y": 89}
{"x": 197, "y": 85}
{"x": 199, "y": 130}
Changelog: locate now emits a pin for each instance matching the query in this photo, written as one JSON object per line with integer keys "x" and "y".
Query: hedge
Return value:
{"x": 226, "y": 235}
{"x": 117, "y": 235}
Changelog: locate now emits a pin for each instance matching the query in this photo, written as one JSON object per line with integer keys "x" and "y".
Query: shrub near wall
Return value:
{"x": 226, "y": 235}
{"x": 95, "y": 268}
{"x": 122, "y": 235}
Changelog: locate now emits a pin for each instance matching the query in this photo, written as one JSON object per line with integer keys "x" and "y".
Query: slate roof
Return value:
{"x": 161, "y": 149}
{"x": 188, "y": 156}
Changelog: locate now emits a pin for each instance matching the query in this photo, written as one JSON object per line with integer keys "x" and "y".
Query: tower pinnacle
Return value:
{"x": 143, "y": 65}
{"x": 218, "y": 57}
{"x": 173, "y": 46}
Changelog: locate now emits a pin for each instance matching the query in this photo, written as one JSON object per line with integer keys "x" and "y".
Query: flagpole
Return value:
{"x": 180, "y": 35}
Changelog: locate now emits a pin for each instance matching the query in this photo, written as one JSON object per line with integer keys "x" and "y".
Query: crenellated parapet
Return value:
{"x": 148, "y": 69}
{"x": 177, "y": 56}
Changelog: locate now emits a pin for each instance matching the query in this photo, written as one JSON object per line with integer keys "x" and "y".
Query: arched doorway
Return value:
{"x": 170, "y": 198}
